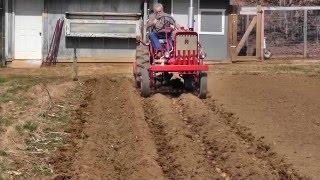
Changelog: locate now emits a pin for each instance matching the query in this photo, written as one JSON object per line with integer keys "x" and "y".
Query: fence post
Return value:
{"x": 233, "y": 37}
{"x": 260, "y": 34}
{"x": 305, "y": 34}
{"x": 75, "y": 62}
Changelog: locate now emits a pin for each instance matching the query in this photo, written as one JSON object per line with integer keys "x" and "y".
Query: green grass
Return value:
{"x": 42, "y": 170}
{"x": 30, "y": 126}
{"x": 5, "y": 121}
{"x": 6, "y": 98}
{"x": 19, "y": 129}
{"x": 22, "y": 84}
{"x": 313, "y": 70}
{"x": 3, "y": 153}
{"x": 17, "y": 86}
{"x": 2, "y": 80}
{"x": 290, "y": 68}
{"x": 3, "y": 167}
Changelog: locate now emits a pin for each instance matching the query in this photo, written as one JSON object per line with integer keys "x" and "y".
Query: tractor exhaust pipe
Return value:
{"x": 191, "y": 16}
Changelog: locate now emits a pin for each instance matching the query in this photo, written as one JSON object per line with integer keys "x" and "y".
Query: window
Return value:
{"x": 212, "y": 21}
{"x": 102, "y": 28}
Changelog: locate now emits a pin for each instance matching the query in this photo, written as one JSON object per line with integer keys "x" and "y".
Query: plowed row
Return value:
{"x": 164, "y": 137}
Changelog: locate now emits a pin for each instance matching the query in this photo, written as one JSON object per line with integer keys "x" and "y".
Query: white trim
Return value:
{"x": 13, "y": 29}
{"x": 222, "y": 11}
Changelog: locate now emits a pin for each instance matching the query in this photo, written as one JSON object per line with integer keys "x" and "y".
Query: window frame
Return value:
{"x": 222, "y": 11}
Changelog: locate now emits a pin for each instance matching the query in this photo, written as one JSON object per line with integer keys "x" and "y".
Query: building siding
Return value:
{"x": 110, "y": 49}
{"x": 214, "y": 45}
{"x": 90, "y": 49}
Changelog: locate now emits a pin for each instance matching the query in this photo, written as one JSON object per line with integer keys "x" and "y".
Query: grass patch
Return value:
{"x": 42, "y": 170}
{"x": 2, "y": 80}
{"x": 18, "y": 86}
{"x": 45, "y": 144}
{"x": 23, "y": 83}
{"x": 6, "y": 98}
{"x": 19, "y": 129}
{"x": 313, "y": 70}
{"x": 3, "y": 167}
{"x": 284, "y": 68}
{"x": 3, "y": 153}
{"x": 30, "y": 126}
{"x": 5, "y": 121}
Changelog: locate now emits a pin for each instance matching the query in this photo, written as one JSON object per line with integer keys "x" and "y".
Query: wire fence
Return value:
{"x": 284, "y": 33}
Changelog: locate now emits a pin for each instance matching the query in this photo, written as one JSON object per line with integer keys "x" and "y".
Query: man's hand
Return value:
{"x": 154, "y": 22}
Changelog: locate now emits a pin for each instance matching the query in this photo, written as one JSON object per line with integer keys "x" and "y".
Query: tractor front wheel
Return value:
{"x": 145, "y": 83}
{"x": 203, "y": 86}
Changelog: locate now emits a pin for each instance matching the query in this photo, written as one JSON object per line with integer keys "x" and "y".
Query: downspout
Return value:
{"x": 191, "y": 16}
{"x": 3, "y": 34}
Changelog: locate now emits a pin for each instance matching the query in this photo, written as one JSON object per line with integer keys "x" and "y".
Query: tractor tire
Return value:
{"x": 142, "y": 58}
{"x": 203, "y": 86}
{"x": 142, "y": 62}
{"x": 145, "y": 83}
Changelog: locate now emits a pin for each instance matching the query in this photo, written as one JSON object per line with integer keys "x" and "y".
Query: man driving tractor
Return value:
{"x": 172, "y": 51}
{"x": 157, "y": 22}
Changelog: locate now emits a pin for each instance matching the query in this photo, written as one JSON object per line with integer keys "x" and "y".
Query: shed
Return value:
{"x": 101, "y": 30}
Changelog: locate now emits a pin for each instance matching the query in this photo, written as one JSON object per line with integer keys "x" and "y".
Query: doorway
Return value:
{"x": 28, "y": 29}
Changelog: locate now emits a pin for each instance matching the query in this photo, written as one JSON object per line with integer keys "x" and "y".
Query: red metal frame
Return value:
{"x": 182, "y": 61}
{"x": 179, "y": 68}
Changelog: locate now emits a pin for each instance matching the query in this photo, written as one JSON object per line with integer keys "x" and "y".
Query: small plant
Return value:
{"x": 30, "y": 126}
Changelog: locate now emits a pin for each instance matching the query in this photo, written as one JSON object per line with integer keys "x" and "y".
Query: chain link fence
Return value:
{"x": 284, "y": 33}
{"x": 314, "y": 33}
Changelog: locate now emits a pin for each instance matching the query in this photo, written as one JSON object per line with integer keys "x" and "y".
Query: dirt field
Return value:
{"x": 261, "y": 121}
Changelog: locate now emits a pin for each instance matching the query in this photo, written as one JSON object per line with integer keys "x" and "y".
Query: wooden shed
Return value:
{"x": 101, "y": 30}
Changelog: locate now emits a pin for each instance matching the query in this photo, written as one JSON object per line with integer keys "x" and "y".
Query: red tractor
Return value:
{"x": 182, "y": 56}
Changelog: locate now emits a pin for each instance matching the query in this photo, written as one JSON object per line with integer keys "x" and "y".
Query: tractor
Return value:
{"x": 182, "y": 57}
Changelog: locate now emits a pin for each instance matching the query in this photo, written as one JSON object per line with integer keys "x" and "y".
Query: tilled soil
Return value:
{"x": 281, "y": 108}
{"x": 164, "y": 137}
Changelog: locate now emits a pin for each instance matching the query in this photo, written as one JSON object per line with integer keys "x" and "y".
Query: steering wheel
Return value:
{"x": 165, "y": 22}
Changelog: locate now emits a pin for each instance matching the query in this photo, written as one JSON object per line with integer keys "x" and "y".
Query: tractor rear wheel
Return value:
{"x": 203, "y": 86}
{"x": 145, "y": 83}
{"x": 189, "y": 83}
{"x": 142, "y": 62}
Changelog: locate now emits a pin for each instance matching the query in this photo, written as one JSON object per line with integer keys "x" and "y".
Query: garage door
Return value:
{"x": 28, "y": 29}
